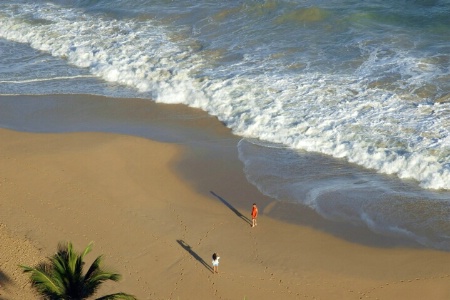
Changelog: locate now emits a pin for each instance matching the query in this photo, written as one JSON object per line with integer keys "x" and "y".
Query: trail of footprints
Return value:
{"x": 367, "y": 294}
{"x": 202, "y": 267}
{"x": 269, "y": 277}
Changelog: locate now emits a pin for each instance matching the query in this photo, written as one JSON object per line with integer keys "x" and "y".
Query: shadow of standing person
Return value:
{"x": 247, "y": 220}
{"x": 195, "y": 255}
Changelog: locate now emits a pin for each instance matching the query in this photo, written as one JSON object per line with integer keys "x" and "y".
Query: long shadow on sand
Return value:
{"x": 247, "y": 220}
{"x": 195, "y": 255}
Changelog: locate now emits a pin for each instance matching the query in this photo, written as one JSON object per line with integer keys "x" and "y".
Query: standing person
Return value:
{"x": 254, "y": 214}
{"x": 215, "y": 262}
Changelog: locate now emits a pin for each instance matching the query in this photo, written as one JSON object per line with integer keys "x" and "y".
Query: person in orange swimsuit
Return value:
{"x": 254, "y": 214}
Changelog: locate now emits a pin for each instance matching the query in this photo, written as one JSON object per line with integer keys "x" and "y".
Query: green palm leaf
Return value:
{"x": 42, "y": 280}
{"x": 117, "y": 296}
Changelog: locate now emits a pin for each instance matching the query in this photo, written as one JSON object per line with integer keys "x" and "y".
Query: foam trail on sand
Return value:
{"x": 349, "y": 194}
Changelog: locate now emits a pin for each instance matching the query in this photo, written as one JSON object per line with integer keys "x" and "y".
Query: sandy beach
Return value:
{"x": 158, "y": 211}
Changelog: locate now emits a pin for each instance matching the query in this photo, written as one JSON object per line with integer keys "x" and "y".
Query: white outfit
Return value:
{"x": 215, "y": 262}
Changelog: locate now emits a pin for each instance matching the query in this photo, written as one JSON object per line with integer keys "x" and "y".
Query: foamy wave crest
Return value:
{"x": 137, "y": 55}
{"x": 326, "y": 115}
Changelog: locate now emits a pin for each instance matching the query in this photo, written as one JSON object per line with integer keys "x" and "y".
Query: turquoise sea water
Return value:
{"x": 331, "y": 98}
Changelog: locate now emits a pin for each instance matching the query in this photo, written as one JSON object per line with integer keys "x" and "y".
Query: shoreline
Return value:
{"x": 211, "y": 149}
{"x": 157, "y": 211}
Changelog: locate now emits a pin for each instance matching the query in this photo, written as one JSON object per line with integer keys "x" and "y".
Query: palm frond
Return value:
{"x": 95, "y": 266}
{"x": 87, "y": 250}
{"x": 103, "y": 276}
{"x": 42, "y": 281}
{"x": 97, "y": 278}
{"x": 117, "y": 296}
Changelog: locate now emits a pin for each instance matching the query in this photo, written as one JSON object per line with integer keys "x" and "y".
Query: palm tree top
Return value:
{"x": 62, "y": 278}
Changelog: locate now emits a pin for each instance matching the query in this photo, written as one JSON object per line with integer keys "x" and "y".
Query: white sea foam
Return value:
{"x": 344, "y": 116}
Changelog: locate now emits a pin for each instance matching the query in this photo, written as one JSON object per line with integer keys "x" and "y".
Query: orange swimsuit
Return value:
{"x": 254, "y": 212}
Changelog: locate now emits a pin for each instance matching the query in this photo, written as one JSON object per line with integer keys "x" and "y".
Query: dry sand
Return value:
{"x": 158, "y": 227}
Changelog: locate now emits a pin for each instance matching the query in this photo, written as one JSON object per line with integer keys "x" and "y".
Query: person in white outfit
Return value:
{"x": 215, "y": 262}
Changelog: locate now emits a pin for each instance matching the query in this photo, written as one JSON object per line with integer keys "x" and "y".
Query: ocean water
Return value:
{"x": 343, "y": 106}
